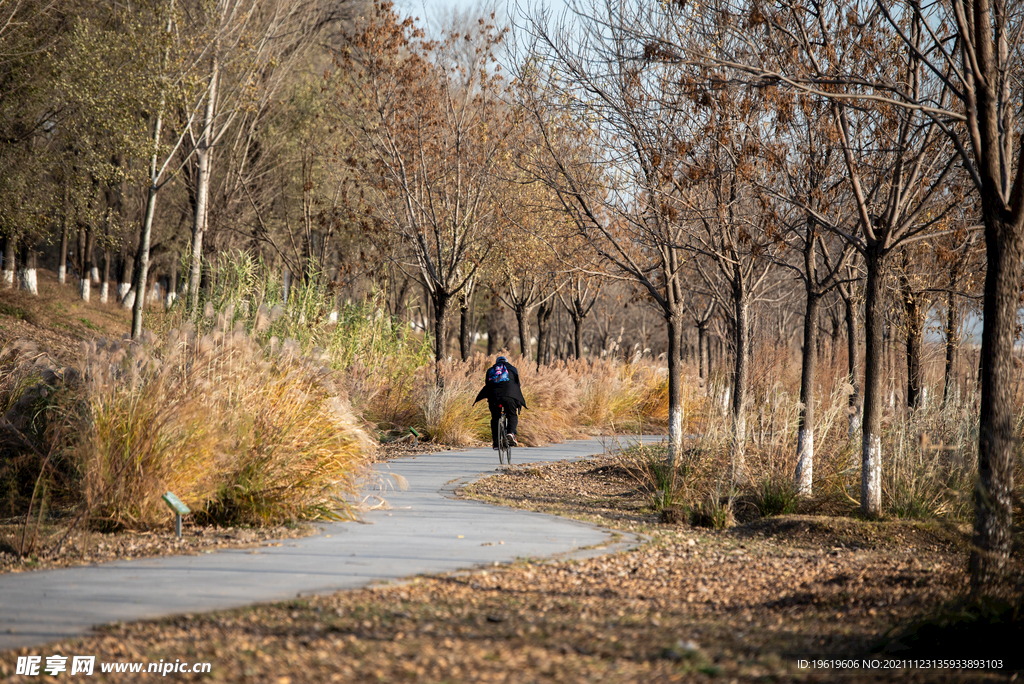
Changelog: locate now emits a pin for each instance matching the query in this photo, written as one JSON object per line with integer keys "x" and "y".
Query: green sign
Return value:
{"x": 176, "y": 504}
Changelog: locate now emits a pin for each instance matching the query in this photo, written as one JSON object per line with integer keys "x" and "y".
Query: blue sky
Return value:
{"x": 431, "y": 9}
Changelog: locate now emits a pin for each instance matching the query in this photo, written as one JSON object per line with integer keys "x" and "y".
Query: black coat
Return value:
{"x": 499, "y": 390}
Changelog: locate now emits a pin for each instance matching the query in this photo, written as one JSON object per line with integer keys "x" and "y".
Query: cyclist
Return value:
{"x": 502, "y": 391}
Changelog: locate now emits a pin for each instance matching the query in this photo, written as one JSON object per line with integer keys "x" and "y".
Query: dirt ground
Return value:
{"x": 688, "y": 604}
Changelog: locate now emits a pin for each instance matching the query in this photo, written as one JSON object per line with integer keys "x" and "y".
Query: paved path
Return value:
{"x": 424, "y": 531}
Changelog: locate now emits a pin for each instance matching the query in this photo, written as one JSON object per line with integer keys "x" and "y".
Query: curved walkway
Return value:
{"x": 424, "y": 531}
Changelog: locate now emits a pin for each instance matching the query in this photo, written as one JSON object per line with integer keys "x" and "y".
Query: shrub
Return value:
{"x": 712, "y": 513}
{"x": 449, "y": 415}
{"x": 774, "y": 496}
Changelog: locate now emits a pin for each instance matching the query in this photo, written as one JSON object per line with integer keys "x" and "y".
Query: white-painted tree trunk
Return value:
{"x": 675, "y": 425}
{"x": 854, "y": 425}
{"x": 128, "y": 301}
{"x": 122, "y": 291}
{"x": 8, "y": 278}
{"x": 871, "y": 474}
{"x": 805, "y": 463}
{"x": 94, "y": 273}
{"x": 84, "y": 288}
{"x": 104, "y": 292}
{"x": 28, "y": 280}
{"x": 62, "y": 274}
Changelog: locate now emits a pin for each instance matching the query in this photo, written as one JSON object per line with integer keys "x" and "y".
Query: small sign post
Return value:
{"x": 179, "y": 508}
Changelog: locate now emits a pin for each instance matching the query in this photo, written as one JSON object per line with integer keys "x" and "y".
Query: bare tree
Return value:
{"x": 803, "y": 189}
{"x": 427, "y": 131}
{"x": 574, "y": 88}
{"x": 951, "y": 67}
{"x": 578, "y": 298}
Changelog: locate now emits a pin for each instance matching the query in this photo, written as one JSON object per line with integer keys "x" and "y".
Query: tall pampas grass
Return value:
{"x": 241, "y": 434}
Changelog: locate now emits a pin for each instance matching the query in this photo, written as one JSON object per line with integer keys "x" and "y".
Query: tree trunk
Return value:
{"x": 915, "y": 342}
{"x": 7, "y": 275}
{"x": 465, "y": 325}
{"x": 874, "y": 351}
{"x": 524, "y": 333}
{"x": 675, "y": 388}
{"x": 142, "y": 257}
{"x": 85, "y": 275}
{"x": 741, "y": 370}
{"x": 172, "y": 284}
{"x": 577, "y": 335}
{"x": 62, "y": 262}
{"x": 804, "y": 477}
{"x": 27, "y": 278}
{"x": 141, "y": 268}
{"x": 544, "y": 312}
{"x": 105, "y": 281}
{"x": 204, "y": 151}
{"x": 124, "y": 284}
{"x": 493, "y": 329}
{"x": 952, "y": 346}
{"x": 440, "y": 300}
{"x": 466, "y": 319}
{"x": 852, "y": 364}
{"x": 703, "y": 353}
{"x": 993, "y": 497}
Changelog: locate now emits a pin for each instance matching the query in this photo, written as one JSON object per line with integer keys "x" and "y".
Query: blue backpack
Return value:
{"x": 497, "y": 373}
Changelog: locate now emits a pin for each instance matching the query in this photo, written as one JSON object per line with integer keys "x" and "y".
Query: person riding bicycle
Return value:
{"x": 502, "y": 391}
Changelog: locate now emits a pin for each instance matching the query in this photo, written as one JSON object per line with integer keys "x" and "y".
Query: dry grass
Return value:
{"x": 929, "y": 454}
{"x": 239, "y": 434}
{"x": 565, "y": 400}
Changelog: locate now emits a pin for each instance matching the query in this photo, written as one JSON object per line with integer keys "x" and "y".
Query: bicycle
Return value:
{"x": 504, "y": 443}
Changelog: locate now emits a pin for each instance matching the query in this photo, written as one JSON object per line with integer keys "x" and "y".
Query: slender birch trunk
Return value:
{"x": 141, "y": 264}
{"x": 204, "y": 151}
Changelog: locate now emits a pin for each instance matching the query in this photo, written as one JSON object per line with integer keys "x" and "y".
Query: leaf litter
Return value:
{"x": 687, "y": 604}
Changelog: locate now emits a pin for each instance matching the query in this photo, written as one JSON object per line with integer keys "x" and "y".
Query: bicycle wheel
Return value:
{"x": 503, "y": 452}
{"x": 501, "y": 439}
